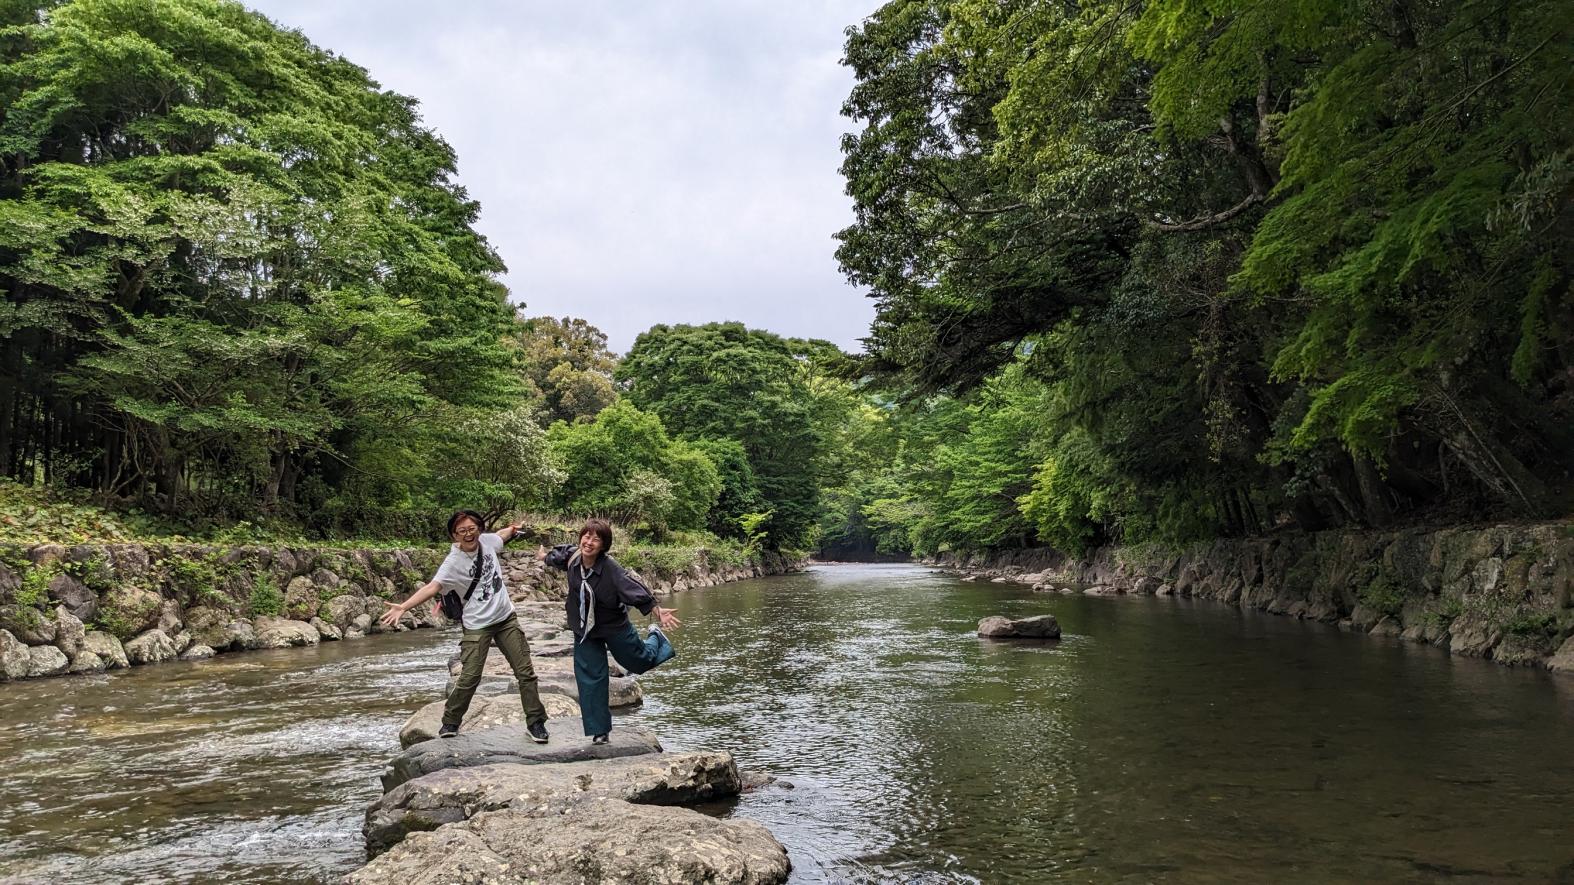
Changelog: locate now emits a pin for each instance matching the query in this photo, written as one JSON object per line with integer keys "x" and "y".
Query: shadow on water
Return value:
{"x": 1161, "y": 740}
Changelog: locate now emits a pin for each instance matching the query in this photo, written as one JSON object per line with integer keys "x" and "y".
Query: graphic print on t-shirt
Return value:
{"x": 491, "y": 578}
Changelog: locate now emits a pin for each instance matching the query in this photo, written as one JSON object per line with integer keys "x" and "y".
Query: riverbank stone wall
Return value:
{"x": 88, "y": 608}
{"x": 1503, "y": 592}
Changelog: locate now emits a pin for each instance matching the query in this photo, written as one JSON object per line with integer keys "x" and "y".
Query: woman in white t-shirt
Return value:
{"x": 473, "y": 572}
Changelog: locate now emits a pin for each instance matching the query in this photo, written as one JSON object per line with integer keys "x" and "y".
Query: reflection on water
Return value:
{"x": 1161, "y": 740}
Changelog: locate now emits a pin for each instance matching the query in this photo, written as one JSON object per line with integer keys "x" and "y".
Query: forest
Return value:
{"x": 1157, "y": 271}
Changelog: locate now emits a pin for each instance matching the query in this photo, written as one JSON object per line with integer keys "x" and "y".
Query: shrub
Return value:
{"x": 265, "y": 596}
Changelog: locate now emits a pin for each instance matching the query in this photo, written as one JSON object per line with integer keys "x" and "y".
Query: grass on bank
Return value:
{"x": 32, "y": 515}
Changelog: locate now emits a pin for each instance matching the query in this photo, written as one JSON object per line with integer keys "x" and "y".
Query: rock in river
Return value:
{"x": 1036, "y": 627}
{"x": 509, "y": 743}
{"x": 456, "y": 794}
{"x": 485, "y": 712}
{"x": 588, "y": 840}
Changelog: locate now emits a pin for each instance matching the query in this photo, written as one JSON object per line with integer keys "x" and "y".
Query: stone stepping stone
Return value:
{"x": 584, "y": 840}
{"x": 456, "y": 794}
{"x": 485, "y": 712}
{"x": 510, "y": 743}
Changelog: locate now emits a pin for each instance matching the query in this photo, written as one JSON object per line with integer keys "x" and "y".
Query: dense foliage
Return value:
{"x": 1158, "y": 270}
{"x": 724, "y": 382}
{"x": 1214, "y": 268}
{"x": 236, "y": 273}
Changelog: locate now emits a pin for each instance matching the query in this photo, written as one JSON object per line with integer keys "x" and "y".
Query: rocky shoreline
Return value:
{"x": 491, "y": 806}
{"x": 1505, "y": 592}
{"x": 90, "y": 608}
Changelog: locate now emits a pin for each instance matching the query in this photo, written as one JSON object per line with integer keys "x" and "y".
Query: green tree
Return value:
{"x": 1293, "y": 264}
{"x": 722, "y": 381}
{"x": 232, "y": 267}
{"x": 623, "y": 465}
{"x": 567, "y": 365}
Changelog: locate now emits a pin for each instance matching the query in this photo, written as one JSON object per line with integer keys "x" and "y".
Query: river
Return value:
{"x": 1160, "y": 740}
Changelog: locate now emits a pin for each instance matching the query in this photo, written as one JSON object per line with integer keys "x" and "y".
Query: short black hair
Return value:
{"x": 480, "y": 521}
{"x": 603, "y": 530}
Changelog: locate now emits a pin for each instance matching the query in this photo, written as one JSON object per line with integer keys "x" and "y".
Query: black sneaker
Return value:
{"x": 448, "y": 731}
{"x": 599, "y": 739}
{"x": 537, "y": 732}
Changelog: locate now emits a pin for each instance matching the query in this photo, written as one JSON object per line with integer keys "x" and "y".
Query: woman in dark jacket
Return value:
{"x": 599, "y": 595}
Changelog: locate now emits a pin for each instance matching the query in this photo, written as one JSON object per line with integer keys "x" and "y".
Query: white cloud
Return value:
{"x": 636, "y": 163}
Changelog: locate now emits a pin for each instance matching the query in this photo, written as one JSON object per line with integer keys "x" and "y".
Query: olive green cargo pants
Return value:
{"x": 472, "y": 658}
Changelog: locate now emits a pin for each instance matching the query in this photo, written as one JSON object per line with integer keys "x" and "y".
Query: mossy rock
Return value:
{"x": 128, "y": 610}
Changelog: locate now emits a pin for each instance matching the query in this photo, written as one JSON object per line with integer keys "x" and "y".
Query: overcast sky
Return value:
{"x": 636, "y": 162}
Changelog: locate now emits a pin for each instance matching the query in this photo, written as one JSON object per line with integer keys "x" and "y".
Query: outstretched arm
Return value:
{"x": 396, "y": 610}
{"x": 635, "y": 593}
{"x": 557, "y": 557}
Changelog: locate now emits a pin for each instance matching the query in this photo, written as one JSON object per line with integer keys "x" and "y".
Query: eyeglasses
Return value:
{"x": 467, "y": 530}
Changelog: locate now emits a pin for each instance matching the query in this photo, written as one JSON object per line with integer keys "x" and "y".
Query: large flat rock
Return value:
{"x": 456, "y": 794}
{"x": 584, "y": 842}
{"x": 510, "y": 743}
{"x": 488, "y": 711}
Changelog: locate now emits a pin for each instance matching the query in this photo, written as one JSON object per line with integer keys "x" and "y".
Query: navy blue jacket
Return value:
{"x": 613, "y": 590}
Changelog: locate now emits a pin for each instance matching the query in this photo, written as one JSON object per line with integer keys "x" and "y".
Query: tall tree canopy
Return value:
{"x": 1297, "y": 263}
{"x": 233, "y": 270}
{"x": 722, "y": 381}
{"x": 567, "y": 366}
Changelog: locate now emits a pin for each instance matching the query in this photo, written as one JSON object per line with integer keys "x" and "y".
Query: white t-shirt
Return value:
{"x": 489, "y": 604}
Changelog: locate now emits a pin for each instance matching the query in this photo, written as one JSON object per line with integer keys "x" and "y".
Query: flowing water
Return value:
{"x": 1160, "y": 740}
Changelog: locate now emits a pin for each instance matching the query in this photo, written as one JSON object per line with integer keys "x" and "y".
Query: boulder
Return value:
{"x": 128, "y": 610}
{"x": 107, "y": 647}
{"x": 153, "y": 647}
{"x": 456, "y": 794}
{"x": 1146, "y": 585}
{"x": 327, "y": 631}
{"x": 581, "y": 841}
{"x": 197, "y": 653}
{"x": 169, "y": 619}
{"x": 76, "y": 596}
{"x": 46, "y": 660}
{"x": 340, "y": 611}
{"x": 28, "y": 624}
{"x": 87, "y": 662}
{"x": 14, "y": 659}
{"x": 219, "y": 629}
{"x": 47, "y": 554}
{"x": 1036, "y": 627}
{"x": 69, "y": 632}
{"x": 301, "y": 599}
{"x": 363, "y": 624}
{"x": 510, "y": 743}
{"x": 1473, "y": 634}
{"x": 182, "y": 641}
{"x": 1562, "y": 661}
{"x": 284, "y": 633}
{"x": 484, "y": 712}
